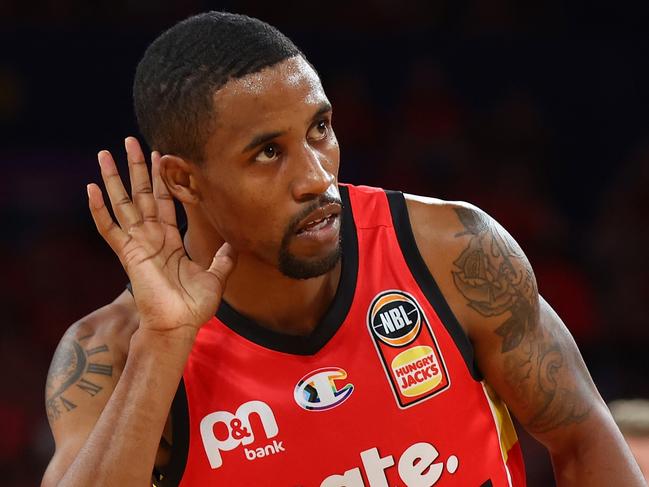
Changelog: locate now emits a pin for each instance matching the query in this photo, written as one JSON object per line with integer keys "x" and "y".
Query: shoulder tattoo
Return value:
{"x": 75, "y": 367}
{"x": 496, "y": 279}
{"x": 492, "y": 273}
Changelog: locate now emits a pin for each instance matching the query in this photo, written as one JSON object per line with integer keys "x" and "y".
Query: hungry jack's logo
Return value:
{"x": 407, "y": 347}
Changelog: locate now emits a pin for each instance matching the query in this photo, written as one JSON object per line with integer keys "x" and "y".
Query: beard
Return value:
{"x": 296, "y": 268}
{"x": 301, "y": 268}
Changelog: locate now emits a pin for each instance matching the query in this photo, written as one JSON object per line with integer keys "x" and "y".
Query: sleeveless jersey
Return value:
{"x": 384, "y": 392}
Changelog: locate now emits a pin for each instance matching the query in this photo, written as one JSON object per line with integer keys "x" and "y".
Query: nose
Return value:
{"x": 312, "y": 177}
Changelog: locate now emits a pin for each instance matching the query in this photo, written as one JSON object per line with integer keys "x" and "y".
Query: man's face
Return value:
{"x": 269, "y": 181}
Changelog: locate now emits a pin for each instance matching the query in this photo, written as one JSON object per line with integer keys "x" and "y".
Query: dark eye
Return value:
{"x": 319, "y": 130}
{"x": 268, "y": 154}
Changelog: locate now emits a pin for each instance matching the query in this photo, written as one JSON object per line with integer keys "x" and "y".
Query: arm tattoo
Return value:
{"x": 491, "y": 277}
{"x": 493, "y": 274}
{"x": 73, "y": 367}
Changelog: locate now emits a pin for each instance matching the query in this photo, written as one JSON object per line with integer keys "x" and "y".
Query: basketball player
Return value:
{"x": 303, "y": 332}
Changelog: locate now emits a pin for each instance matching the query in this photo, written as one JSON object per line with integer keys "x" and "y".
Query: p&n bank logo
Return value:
{"x": 317, "y": 391}
{"x": 239, "y": 432}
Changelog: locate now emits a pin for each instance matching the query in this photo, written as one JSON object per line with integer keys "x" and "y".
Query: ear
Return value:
{"x": 179, "y": 176}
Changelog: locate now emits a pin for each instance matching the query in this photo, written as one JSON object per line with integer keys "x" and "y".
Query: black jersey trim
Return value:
{"x": 333, "y": 318}
{"x": 171, "y": 474}
{"x": 426, "y": 281}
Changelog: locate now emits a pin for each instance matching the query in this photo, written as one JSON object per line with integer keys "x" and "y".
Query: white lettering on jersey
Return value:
{"x": 239, "y": 432}
{"x": 416, "y": 468}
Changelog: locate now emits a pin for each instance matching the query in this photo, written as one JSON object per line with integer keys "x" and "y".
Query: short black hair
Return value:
{"x": 180, "y": 71}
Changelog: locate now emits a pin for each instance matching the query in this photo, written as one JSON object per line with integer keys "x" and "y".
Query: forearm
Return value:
{"x": 122, "y": 446}
{"x": 603, "y": 459}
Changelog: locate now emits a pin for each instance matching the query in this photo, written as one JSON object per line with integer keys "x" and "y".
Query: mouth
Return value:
{"x": 319, "y": 220}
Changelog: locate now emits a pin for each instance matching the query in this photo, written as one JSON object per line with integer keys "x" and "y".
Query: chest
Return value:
{"x": 374, "y": 407}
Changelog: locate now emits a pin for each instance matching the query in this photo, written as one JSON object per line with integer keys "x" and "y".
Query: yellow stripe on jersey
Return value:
{"x": 504, "y": 424}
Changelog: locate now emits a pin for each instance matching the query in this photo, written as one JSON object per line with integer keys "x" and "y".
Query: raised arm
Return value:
{"x": 522, "y": 347}
{"x": 84, "y": 371}
{"x": 173, "y": 297}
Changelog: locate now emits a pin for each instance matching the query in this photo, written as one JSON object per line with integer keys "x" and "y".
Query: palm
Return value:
{"x": 170, "y": 290}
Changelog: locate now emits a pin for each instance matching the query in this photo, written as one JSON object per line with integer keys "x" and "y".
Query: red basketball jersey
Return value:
{"x": 383, "y": 393}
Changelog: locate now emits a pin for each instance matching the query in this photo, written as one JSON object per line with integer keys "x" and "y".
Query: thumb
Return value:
{"x": 223, "y": 262}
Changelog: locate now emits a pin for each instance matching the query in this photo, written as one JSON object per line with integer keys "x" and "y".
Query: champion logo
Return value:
{"x": 317, "y": 391}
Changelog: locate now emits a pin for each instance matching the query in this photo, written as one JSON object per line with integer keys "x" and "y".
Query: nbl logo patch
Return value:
{"x": 395, "y": 319}
{"x": 407, "y": 347}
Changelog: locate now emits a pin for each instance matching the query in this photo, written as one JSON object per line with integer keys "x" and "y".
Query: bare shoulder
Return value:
{"x": 443, "y": 231}
{"x": 440, "y": 221}
{"x": 83, "y": 373}
{"x": 521, "y": 346}
{"x": 88, "y": 362}
{"x": 85, "y": 369}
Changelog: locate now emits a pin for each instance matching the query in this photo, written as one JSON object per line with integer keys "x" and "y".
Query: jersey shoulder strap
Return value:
{"x": 426, "y": 281}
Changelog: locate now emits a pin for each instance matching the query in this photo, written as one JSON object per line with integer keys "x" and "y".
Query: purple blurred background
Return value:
{"x": 536, "y": 113}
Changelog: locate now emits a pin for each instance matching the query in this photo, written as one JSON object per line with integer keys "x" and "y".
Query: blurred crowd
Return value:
{"x": 535, "y": 114}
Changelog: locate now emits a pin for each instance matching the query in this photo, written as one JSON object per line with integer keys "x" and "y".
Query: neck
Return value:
{"x": 260, "y": 292}
{"x": 277, "y": 302}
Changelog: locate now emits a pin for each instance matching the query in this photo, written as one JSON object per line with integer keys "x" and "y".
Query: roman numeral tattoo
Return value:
{"x": 68, "y": 405}
{"x": 95, "y": 350}
{"x": 90, "y": 387}
{"x": 70, "y": 367}
{"x": 100, "y": 369}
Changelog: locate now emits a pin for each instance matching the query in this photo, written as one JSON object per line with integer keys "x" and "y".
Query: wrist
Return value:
{"x": 176, "y": 343}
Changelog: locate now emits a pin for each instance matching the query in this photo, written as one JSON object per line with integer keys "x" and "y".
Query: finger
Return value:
{"x": 141, "y": 190}
{"x": 127, "y": 215}
{"x": 223, "y": 263}
{"x": 107, "y": 228}
{"x": 164, "y": 200}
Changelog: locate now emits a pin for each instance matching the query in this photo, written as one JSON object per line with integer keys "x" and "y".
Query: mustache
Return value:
{"x": 319, "y": 202}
